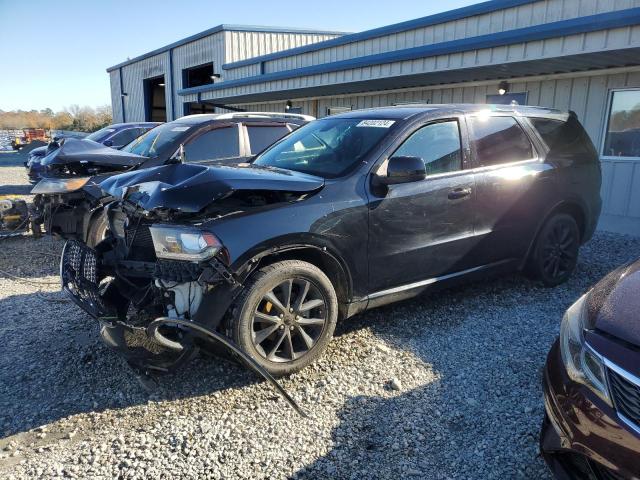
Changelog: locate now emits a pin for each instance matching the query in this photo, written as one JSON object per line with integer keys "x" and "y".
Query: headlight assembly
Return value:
{"x": 583, "y": 364}
{"x": 60, "y": 185}
{"x": 184, "y": 243}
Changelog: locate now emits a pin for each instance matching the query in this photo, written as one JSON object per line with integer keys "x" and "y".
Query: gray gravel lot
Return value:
{"x": 443, "y": 386}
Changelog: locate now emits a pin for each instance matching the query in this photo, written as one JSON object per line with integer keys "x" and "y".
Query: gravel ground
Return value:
{"x": 443, "y": 386}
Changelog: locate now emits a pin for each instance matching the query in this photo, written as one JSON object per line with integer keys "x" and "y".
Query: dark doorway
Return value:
{"x": 155, "y": 104}
{"x": 191, "y": 108}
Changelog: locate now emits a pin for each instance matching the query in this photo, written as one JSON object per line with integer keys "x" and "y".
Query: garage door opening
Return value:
{"x": 155, "y": 104}
{"x": 191, "y": 108}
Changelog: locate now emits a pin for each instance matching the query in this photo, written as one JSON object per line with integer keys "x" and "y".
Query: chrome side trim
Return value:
{"x": 429, "y": 281}
{"x": 630, "y": 377}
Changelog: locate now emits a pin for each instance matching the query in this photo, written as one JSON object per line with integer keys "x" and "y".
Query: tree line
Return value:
{"x": 74, "y": 117}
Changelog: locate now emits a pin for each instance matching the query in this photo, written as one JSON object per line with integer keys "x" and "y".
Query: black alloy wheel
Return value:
{"x": 555, "y": 253}
{"x": 287, "y": 315}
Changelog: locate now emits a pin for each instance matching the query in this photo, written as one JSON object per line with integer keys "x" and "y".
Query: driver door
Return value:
{"x": 424, "y": 229}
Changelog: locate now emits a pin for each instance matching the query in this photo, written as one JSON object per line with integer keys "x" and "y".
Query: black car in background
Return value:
{"x": 591, "y": 428}
{"x": 115, "y": 136}
{"x": 347, "y": 213}
{"x": 68, "y": 200}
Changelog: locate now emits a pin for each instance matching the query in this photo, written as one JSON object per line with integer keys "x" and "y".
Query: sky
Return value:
{"x": 55, "y": 54}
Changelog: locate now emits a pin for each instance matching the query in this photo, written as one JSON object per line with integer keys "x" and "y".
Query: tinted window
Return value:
{"x": 328, "y": 147}
{"x": 164, "y": 139}
{"x": 499, "y": 140}
{"x": 438, "y": 145}
{"x": 100, "y": 134}
{"x": 564, "y": 138}
{"x": 261, "y": 137}
{"x": 623, "y": 126}
{"x": 213, "y": 145}
{"x": 125, "y": 136}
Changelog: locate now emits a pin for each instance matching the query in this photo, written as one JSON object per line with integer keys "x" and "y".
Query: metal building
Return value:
{"x": 580, "y": 55}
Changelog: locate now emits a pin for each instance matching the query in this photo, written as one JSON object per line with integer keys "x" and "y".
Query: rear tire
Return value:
{"x": 98, "y": 229}
{"x": 285, "y": 316}
{"x": 555, "y": 252}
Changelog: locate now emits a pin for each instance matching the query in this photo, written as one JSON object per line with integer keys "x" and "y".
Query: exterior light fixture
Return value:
{"x": 503, "y": 88}
{"x": 124, "y": 94}
{"x": 288, "y": 105}
{"x": 215, "y": 76}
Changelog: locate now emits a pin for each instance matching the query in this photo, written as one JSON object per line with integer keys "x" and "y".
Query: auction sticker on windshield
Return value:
{"x": 180, "y": 129}
{"x": 376, "y": 123}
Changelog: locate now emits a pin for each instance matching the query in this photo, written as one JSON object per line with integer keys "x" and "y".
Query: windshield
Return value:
{"x": 100, "y": 135}
{"x": 326, "y": 148}
{"x": 158, "y": 140}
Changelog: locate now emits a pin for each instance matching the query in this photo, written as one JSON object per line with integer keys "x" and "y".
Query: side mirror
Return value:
{"x": 403, "y": 170}
{"x": 108, "y": 143}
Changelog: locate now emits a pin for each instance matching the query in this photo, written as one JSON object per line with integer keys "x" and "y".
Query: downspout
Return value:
{"x": 171, "y": 90}
{"x": 124, "y": 115}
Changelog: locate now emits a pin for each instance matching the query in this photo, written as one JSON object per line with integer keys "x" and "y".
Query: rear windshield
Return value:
{"x": 327, "y": 148}
{"x": 159, "y": 140}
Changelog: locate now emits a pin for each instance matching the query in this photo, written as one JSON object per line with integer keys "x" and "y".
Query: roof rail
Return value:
{"x": 297, "y": 116}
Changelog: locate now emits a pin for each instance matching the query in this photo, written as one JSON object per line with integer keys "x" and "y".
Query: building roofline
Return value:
{"x": 221, "y": 28}
{"x": 456, "y": 14}
{"x": 601, "y": 21}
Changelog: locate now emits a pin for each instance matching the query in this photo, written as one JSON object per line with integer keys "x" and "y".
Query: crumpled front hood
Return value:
{"x": 85, "y": 151}
{"x": 189, "y": 188}
{"x": 614, "y": 304}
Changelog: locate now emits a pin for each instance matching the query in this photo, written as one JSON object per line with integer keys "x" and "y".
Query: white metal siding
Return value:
{"x": 116, "y": 103}
{"x": 507, "y": 19}
{"x": 132, "y": 80}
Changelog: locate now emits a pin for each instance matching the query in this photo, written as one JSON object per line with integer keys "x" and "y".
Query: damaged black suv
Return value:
{"x": 346, "y": 213}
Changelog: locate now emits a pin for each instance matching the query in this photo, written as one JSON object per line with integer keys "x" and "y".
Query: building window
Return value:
{"x": 197, "y": 76}
{"x": 192, "y": 108}
{"x": 622, "y": 135}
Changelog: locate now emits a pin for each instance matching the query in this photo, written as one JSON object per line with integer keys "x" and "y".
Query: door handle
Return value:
{"x": 458, "y": 193}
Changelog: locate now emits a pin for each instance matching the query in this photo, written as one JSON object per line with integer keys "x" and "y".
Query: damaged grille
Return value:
{"x": 139, "y": 242}
{"x": 79, "y": 276}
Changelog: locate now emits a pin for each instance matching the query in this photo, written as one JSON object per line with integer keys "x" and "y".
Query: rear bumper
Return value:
{"x": 581, "y": 436}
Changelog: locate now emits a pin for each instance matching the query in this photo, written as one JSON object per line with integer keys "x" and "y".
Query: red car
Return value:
{"x": 591, "y": 428}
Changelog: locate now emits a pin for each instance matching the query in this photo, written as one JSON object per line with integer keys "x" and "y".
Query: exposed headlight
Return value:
{"x": 184, "y": 243}
{"x": 60, "y": 185}
{"x": 582, "y": 363}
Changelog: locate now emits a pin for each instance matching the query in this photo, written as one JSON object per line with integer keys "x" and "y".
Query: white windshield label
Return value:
{"x": 376, "y": 123}
{"x": 180, "y": 129}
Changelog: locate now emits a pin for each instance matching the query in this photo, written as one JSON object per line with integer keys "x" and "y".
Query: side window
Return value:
{"x": 564, "y": 137}
{"x": 213, "y": 145}
{"x": 438, "y": 145}
{"x": 499, "y": 140}
{"x": 260, "y": 137}
{"x": 125, "y": 137}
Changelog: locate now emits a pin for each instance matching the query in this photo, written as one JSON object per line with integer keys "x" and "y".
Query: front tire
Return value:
{"x": 555, "y": 253}
{"x": 98, "y": 229}
{"x": 285, "y": 316}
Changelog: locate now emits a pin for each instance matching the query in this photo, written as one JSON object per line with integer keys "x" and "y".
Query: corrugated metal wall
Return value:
{"x": 602, "y": 40}
{"x": 219, "y": 48}
{"x": 506, "y": 19}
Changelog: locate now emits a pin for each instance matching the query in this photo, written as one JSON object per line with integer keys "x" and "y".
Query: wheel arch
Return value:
{"x": 577, "y": 211}
{"x": 320, "y": 256}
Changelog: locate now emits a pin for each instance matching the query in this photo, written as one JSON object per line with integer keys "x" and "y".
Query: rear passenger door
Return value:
{"x": 221, "y": 144}
{"x": 513, "y": 185}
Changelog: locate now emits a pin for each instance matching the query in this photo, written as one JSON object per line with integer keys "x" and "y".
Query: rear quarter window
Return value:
{"x": 565, "y": 138}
